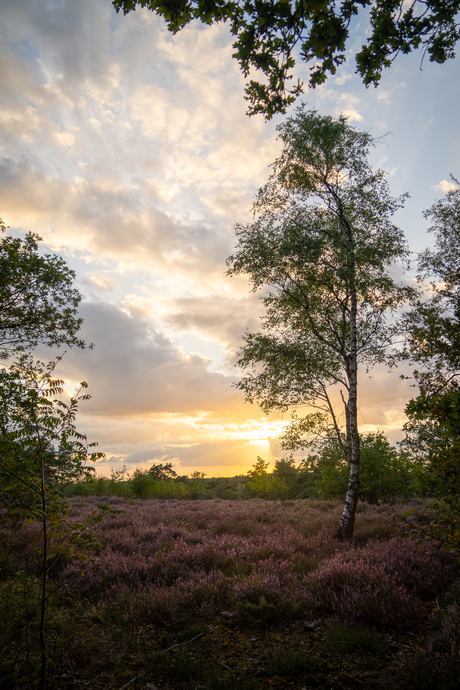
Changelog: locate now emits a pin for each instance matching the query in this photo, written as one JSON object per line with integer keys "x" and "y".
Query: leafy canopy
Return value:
{"x": 269, "y": 34}
{"x": 161, "y": 471}
{"x": 298, "y": 252}
{"x": 433, "y": 326}
{"x": 263, "y": 484}
{"x": 432, "y": 440}
{"x": 384, "y": 473}
{"x": 37, "y": 301}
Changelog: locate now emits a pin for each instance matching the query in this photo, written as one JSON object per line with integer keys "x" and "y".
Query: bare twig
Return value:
{"x": 181, "y": 644}
{"x": 128, "y": 684}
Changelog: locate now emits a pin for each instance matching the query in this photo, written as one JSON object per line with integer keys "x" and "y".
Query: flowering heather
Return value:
{"x": 359, "y": 591}
{"x": 171, "y": 561}
{"x": 382, "y": 583}
{"x": 273, "y": 587}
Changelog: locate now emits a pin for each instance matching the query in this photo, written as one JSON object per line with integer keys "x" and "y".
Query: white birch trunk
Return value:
{"x": 347, "y": 522}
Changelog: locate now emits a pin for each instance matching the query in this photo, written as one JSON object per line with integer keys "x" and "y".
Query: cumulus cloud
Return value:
{"x": 132, "y": 157}
{"x": 104, "y": 219}
{"x": 352, "y": 115}
{"x": 101, "y": 282}
{"x": 214, "y": 457}
{"x": 233, "y": 455}
{"x": 383, "y": 397}
{"x": 342, "y": 79}
{"x": 189, "y": 444}
{"x": 445, "y": 186}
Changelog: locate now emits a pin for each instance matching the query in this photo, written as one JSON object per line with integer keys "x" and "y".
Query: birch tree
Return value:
{"x": 321, "y": 248}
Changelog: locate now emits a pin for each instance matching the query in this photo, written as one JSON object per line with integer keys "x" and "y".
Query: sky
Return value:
{"x": 128, "y": 150}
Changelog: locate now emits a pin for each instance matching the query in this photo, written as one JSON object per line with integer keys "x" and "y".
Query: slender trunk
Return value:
{"x": 347, "y": 523}
{"x": 44, "y": 582}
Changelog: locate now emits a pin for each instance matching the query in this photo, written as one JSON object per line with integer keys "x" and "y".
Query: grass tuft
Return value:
{"x": 347, "y": 639}
{"x": 292, "y": 663}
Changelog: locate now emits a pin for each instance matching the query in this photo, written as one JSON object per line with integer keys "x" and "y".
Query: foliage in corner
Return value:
{"x": 270, "y": 36}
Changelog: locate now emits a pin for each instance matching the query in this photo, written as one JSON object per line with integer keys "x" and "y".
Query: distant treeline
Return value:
{"x": 386, "y": 474}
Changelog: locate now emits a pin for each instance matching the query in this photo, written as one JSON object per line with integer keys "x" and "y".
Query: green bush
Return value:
{"x": 142, "y": 484}
{"x": 384, "y": 473}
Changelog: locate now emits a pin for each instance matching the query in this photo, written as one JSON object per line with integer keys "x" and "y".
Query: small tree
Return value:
{"x": 40, "y": 453}
{"x": 197, "y": 484}
{"x": 386, "y": 473}
{"x": 287, "y": 472}
{"x": 161, "y": 471}
{"x": 321, "y": 247}
{"x": 142, "y": 483}
{"x": 37, "y": 301}
{"x": 263, "y": 484}
{"x": 433, "y": 346}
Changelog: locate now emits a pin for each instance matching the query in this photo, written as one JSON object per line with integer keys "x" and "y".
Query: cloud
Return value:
{"x": 135, "y": 370}
{"x": 149, "y": 157}
{"x": 352, "y": 115}
{"x": 100, "y": 282}
{"x": 343, "y": 79}
{"x": 235, "y": 455}
{"x": 222, "y": 319}
{"x": 115, "y": 221}
{"x": 215, "y": 458}
{"x": 187, "y": 443}
{"x": 445, "y": 186}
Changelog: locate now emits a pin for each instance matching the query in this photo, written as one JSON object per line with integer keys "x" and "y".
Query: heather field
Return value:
{"x": 225, "y": 595}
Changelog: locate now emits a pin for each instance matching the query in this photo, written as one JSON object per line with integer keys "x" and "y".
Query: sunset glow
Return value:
{"x": 129, "y": 151}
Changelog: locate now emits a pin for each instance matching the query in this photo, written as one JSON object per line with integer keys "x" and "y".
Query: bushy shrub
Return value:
{"x": 288, "y": 662}
{"x": 447, "y": 638}
{"x": 199, "y": 598}
{"x": 363, "y": 593}
{"x": 384, "y": 474}
{"x": 273, "y": 591}
{"x": 424, "y": 573}
{"x": 142, "y": 484}
{"x": 273, "y": 561}
{"x": 383, "y": 583}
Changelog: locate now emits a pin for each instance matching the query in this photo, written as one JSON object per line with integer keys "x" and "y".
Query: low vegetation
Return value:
{"x": 386, "y": 475}
{"x": 232, "y": 594}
